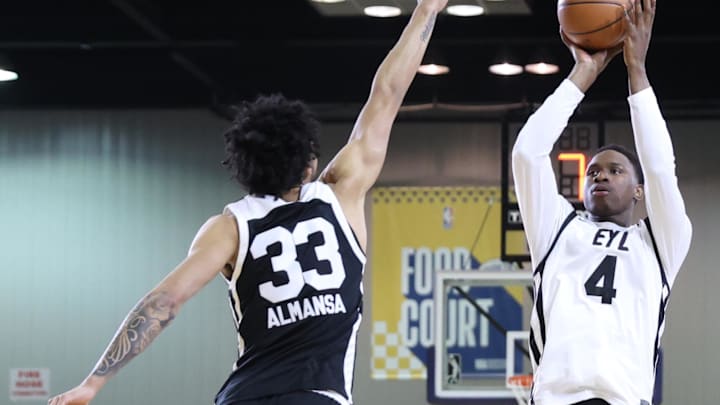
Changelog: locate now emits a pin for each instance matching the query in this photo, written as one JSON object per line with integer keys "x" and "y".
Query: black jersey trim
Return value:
{"x": 663, "y": 299}
{"x": 657, "y": 253}
{"x": 539, "y": 298}
{"x": 564, "y": 225}
{"x": 534, "y": 348}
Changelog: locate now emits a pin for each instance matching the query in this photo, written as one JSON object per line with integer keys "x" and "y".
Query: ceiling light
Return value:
{"x": 433, "y": 69}
{"x": 542, "y": 62}
{"x": 504, "y": 64}
{"x": 434, "y": 62}
{"x": 542, "y": 68}
{"x": 505, "y": 69}
{"x": 382, "y": 11}
{"x": 7, "y": 69}
{"x": 465, "y": 10}
{"x": 7, "y": 75}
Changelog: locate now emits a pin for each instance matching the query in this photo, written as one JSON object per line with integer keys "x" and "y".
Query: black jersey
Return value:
{"x": 296, "y": 297}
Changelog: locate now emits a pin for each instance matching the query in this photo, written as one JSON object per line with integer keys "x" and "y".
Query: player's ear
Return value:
{"x": 307, "y": 174}
{"x": 639, "y": 192}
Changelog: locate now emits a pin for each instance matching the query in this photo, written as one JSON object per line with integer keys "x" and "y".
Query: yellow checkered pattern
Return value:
{"x": 391, "y": 360}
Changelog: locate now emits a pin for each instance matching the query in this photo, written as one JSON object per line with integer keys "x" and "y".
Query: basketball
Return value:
{"x": 594, "y": 24}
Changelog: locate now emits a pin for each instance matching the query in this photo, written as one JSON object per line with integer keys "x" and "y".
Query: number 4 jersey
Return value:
{"x": 600, "y": 300}
{"x": 296, "y": 297}
{"x": 601, "y": 290}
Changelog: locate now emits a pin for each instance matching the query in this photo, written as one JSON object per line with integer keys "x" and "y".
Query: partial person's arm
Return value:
{"x": 213, "y": 247}
{"x": 358, "y": 164}
{"x": 664, "y": 203}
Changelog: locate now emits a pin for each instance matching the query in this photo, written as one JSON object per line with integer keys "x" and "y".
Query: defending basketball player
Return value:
{"x": 602, "y": 282}
{"x": 292, "y": 250}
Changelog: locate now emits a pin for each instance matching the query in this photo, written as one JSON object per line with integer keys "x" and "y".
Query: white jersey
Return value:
{"x": 601, "y": 290}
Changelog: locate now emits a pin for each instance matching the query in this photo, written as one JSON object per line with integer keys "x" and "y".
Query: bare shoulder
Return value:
{"x": 220, "y": 228}
{"x": 221, "y": 223}
{"x": 352, "y": 204}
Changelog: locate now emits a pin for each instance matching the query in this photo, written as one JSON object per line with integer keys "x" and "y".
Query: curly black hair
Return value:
{"x": 632, "y": 157}
{"x": 270, "y": 143}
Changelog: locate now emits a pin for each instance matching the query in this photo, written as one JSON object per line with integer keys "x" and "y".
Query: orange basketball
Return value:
{"x": 594, "y": 24}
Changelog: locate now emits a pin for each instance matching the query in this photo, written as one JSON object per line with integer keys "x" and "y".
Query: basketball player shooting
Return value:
{"x": 602, "y": 282}
{"x": 291, "y": 251}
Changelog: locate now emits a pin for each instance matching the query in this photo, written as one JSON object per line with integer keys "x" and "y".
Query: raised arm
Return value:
{"x": 356, "y": 167}
{"x": 665, "y": 206}
{"x": 214, "y": 246}
{"x": 542, "y": 208}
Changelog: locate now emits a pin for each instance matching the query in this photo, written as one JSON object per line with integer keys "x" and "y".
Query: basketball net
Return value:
{"x": 520, "y": 386}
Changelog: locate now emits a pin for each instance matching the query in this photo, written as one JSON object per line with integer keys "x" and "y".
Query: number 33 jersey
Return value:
{"x": 296, "y": 297}
{"x": 600, "y": 301}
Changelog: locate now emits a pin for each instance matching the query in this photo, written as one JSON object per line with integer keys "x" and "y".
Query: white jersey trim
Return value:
{"x": 334, "y": 396}
{"x": 242, "y": 252}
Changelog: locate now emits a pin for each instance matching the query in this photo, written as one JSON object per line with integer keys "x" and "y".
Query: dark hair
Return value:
{"x": 632, "y": 157}
{"x": 270, "y": 143}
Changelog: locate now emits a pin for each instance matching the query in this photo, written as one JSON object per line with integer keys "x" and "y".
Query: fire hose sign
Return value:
{"x": 29, "y": 384}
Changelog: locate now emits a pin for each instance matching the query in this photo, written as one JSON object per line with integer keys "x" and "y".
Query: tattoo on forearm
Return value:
{"x": 428, "y": 28}
{"x": 144, "y": 323}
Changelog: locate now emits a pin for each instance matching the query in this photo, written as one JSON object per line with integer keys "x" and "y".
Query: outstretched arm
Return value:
{"x": 665, "y": 206}
{"x": 357, "y": 166}
{"x": 213, "y": 247}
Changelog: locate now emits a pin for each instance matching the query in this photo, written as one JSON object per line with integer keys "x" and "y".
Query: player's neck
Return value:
{"x": 624, "y": 219}
{"x": 291, "y": 195}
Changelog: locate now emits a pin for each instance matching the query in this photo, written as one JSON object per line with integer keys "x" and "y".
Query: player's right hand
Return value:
{"x": 597, "y": 61}
{"x": 80, "y": 395}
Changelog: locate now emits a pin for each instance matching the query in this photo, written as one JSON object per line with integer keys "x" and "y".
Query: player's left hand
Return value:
{"x": 639, "y": 22}
{"x": 80, "y": 395}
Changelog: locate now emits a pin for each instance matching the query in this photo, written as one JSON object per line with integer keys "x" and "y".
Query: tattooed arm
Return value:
{"x": 355, "y": 168}
{"x": 142, "y": 325}
{"x": 214, "y": 246}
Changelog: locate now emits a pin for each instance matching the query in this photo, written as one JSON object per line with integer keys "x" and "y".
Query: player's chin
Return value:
{"x": 599, "y": 207}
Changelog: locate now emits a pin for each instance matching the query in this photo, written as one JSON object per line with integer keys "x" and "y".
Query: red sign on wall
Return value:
{"x": 29, "y": 384}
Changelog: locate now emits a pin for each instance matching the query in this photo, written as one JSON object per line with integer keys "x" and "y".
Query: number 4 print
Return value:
{"x": 604, "y": 273}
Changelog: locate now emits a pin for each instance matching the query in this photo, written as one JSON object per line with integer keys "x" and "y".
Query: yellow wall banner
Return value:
{"x": 415, "y": 232}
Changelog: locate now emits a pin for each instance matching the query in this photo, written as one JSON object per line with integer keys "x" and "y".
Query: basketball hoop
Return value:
{"x": 520, "y": 386}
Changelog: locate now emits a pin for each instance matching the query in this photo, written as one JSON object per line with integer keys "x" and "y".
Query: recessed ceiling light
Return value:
{"x": 465, "y": 10}
{"x": 7, "y": 75}
{"x": 433, "y": 69}
{"x": 505, "y": 69}
{"x": 542, "y": 68}
{"x": 382, "y": 11}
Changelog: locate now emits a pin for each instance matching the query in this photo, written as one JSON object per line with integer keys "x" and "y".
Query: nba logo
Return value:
{"x": 453, "y": 369}
{"x": 447, "y": 217}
